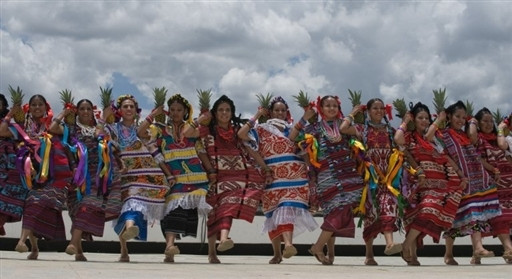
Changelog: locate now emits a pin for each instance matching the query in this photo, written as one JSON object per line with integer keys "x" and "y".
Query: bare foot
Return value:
{"x": 33, "y": 255}
{"x": 124, "y": 259}
{"x": 370, "y": 261}
{"x": 70, "y": 250}
{"x": 275, "y": 260}
{"x": 80, "y": 258}
{"x": 319, "y": 255}
{"x": 330, "y": 256}
{"x": 450, "y": 261}
{"x": 21, "y": 247}
{"x": 289, "y": 251}
{"x": 172, "y": 250}
{"x": 213, "y": 260}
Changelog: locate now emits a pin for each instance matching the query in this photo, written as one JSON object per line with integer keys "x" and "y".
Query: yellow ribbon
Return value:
{"x": 46, "y": 157}
{"x": 395, "y": 163}
{"x": 311, "y": 149}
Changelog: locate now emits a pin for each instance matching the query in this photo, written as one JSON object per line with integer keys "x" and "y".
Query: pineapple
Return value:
{"x": 303, "y": 100}
{"x": 355, "y": 98}
{"x": 498, "y": 118}
{"x": 204, "y": 97}
{"x": 469, "y": 109}
{"x": 67, "y": 99}
{"x": 106, "y": 99}
{"x": 159, "y": 94}
{"x": 400, "y": 106}
{"x": 17, "y": 100}
{"x": 439, "y": 102}
{"x": 264, "y": 101}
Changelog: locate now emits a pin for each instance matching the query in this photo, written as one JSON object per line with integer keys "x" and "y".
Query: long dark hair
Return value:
{"x": 450, "y": 110}
{"x": 4, "y": 101}
{"x": 480, "y": 114}
{"x": 92, "y": 107}
{"x": 390, "y": 131}
{"x": 419, "y": 107}
{"x": 235, "y": 121}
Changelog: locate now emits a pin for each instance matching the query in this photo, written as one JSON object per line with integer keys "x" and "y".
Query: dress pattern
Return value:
{"x": 286, "y": 200}
{"x": 239, "y": 187}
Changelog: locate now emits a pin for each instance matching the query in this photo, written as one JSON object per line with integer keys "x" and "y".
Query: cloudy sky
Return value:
{"x": 386, "y": 49}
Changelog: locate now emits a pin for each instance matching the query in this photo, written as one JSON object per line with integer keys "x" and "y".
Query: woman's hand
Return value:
{"x": 464, "y": 183}
{"x": 308, "y": 113}
{"x": 212, "y": 178}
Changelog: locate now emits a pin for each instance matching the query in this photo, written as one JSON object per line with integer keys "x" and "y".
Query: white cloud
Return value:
{"x": 387, "y": 50}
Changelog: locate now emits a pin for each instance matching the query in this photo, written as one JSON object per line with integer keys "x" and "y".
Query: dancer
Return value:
{"x": 143, "y": 184}
{"x": 49, "y": 179}
{"x": 185, "y": 201}
{"x": 236, "y": 186}
{"x": 338, "y": 184}
{"x": 434, "y": 188}
{"x": 12, "y": 192}
{"x": 88, "y": 200}
{"x": 285, "y": 200}
{"x": 492, "y": 145}
{"x": 380, "y": 204}
{"x": 479, "y": 201}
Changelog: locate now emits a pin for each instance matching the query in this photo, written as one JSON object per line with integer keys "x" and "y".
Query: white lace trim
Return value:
{"x": 189, "y": 201}
{"x": 301, "y": 219}
{"x": 151, "y": 212}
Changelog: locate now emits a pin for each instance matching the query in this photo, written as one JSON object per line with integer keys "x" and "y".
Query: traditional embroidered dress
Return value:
{"x": 12, "y": 192}
{"x": 186, "y": 199}
{"x": 433, "y": 205}
{"x": 88, "y": 207}
{"x": 339, "y": 185}
{"x": 495, "y": 156}
{"x": 380, "y": 203}
{"x": 44, "y": 203}
{"x": 143, "y": 186}
{"x": 479, "y": 202}
{"x": 285, "y": 201}
{"x": 239, "y": 187}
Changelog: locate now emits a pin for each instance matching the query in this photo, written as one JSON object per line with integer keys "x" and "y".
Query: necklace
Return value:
{"x": 227, "y": 135}
{"x": 34, "y": 130}
{"x": 127, "y": 135}
{"x": 423, "y": 143}
{"x": 88, "y": 131}
{"x": 459, "y": 137}
{"x": 332, "y": 134}
{"x": 176, "y": 134}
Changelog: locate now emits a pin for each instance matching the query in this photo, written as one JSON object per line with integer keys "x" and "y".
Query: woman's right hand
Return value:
{"x": 308, "y": 113}
{"x": 212, "y": 178}
{"x": 204, "y": 117}
{"x": 107, "y": 112}
{"x": 441, "y": 116}
{"x": 261, "y": 112}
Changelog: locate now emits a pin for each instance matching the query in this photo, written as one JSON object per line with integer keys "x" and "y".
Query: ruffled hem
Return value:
{"x": 189, "y": 201}
{"x": 151, "y": 212}
{"x": 301, "y": 219}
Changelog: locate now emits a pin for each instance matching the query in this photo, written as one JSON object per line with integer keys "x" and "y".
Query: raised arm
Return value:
{"x": 473, "y": 131}
{"x": 142, "y": 131}
{"x": 243, "y": 132}
{"x": 431, "y": 132}
{"x": 346, "y": 126}
{"x": 308, "y": 113}
{"x": 502, "y": 141}
{"x": 399, "y": 134}
{"x": 55, "y": 127}
{"x": 4, "y": 125}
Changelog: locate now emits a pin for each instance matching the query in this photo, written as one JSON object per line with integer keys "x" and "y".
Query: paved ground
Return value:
{"x": 54, "y": 265}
